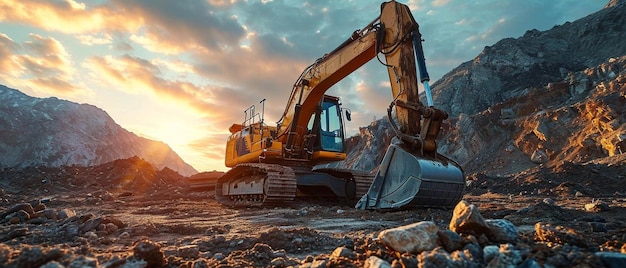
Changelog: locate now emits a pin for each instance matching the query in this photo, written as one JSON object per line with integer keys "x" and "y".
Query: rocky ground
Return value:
{"x": 128, "y": 214}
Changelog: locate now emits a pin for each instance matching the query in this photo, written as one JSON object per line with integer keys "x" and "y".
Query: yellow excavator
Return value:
{"x": 273, "y": 165}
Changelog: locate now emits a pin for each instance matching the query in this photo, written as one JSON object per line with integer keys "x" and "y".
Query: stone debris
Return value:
{"x": 467, "y": 219}
{"x": 502, "y": 231}
{"x": 470, "y": 241}
{"x": 413, "y": 238}
{"x": 546, "y": 232}
{"x": 597, "y": 206}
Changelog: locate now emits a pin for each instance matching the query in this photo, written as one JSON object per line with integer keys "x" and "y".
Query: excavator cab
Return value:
{"x": 325, "y": 139}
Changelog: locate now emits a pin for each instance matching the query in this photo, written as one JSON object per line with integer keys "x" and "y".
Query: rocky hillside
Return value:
{"x": 53, "y": 132}
{"x": 511, "y": 67}
{"x": 548, "y": 97}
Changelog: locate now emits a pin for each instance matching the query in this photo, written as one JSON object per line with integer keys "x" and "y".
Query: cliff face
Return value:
{"x": 53, "y": 132}
{"x": 511, "y": 67}
{"x": 545, "y": 98}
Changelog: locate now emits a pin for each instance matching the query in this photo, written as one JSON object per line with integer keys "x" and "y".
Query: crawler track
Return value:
{"x": 279, "y": 185}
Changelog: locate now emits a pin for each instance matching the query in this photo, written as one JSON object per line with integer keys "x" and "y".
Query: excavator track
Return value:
{"x": 268, "y": 184}
{"x": 362, "y": 180}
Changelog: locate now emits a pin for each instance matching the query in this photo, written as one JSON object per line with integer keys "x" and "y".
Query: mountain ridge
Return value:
{"x": 54, "y": 132}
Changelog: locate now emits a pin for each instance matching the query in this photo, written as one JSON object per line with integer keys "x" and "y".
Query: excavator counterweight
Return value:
{"x": 275, "y": 164}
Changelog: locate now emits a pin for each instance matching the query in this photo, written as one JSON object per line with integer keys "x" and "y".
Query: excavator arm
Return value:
{"x": 395, "y": 35}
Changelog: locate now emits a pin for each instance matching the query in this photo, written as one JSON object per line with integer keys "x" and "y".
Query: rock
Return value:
{"x": 70, "y": 230}
{"x": 65, "y": 214}
{"x": 200, "y": 263}
{"x": 124, "y": 235}
{"x": 54, "y": 264}
{"x": 342, "y": 252}
{"x": 50, "y": 213}
{"x": 598, "y": 227}
{"x": 218, "y": 256}
{"x": 539, "y": 157}
{"x": 297, "y": 242}
{"x": 465, "y": 259}
{"x": 119, "y": 223}
{"x": 490, "y": 252}
{"x": 279, "y": 253}
{"x": 549, "y": 201}
{"x": 26, "y": 207}
{"x": 134, "y": 263}
{"x": 150, "y": 252}
{"x": 106, "y": 196}
{"x": 473, "y": 251}
{"x": 84, "y": 262}
{"x": 558, "y": 234}
{"x": 597, "y": 206}
{"x": 14, "y": 220}
{"x": 31, "y": 257}
{"x": 278, "y": 262}
{"x": 5, "y": 254}
{"x": 91, "y": 236}
{"x": 111, "y": 228}
{"x": 507, "y": 113}
{"x": 450, "y": 240}
{"x": 502, "y": 231}
{"x": 322, "y": 263}
{"x": 39, "y": 207}
{"x": 91, "y": 224}
{"x": 612, "y": 259}
{"x": 440, "y": 258}
{"x": 503, "y": 256}
{"x": 413, "y": 238}
{"x": 467, "y": 219}
{"x": 22, "y": 215}
{"x": 376, "y": 262}
{"x": 189, "y": 251}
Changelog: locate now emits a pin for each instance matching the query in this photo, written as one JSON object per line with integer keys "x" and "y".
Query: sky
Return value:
{"x": 182, "y": 72}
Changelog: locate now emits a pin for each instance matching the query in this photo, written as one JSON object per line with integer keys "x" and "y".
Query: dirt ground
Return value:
{"x": 127, "y": 214}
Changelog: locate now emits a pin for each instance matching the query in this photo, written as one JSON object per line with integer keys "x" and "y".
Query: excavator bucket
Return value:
{"x": 404, "y": 179}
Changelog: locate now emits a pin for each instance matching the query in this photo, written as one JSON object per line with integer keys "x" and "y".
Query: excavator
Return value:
{"x": 272, "y": 165}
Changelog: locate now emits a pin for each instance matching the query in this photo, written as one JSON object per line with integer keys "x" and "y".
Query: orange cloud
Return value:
{"x": 212, "y": 146}
{"x": 54, "y": 84}
{"x": 8, "y": 62}
{"x": 40, "y": 62}
{"x": 138, "y": 76}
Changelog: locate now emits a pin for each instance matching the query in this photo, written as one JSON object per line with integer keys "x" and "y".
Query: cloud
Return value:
{"x": 139, "y": 76}
{"x": 55, "y": 84}
{"x": 211, "y": 146}
{"x": 65, "y": 16}
{"x": 95, "y": 39}
{"x": 439, "y": 3}
{"x": 9, "y": 65}
{"x": 39, "y": 62}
